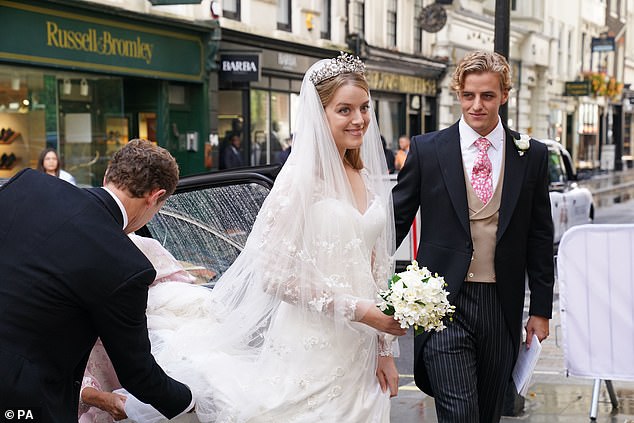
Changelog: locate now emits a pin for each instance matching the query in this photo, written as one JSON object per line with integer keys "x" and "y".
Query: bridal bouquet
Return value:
{"x": 417, "y": 298}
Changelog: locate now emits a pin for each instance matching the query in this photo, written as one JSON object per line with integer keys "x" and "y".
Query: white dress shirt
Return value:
{"x": 469, "y": 150}
{"x": 120, "y": 204}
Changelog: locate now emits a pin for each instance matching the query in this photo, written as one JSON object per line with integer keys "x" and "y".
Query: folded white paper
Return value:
{"x": 525, "y": 365}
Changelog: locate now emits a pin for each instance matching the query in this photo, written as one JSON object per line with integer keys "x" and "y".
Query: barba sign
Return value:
{"x": 93, "y": 41}
{"x": 239, "y": 67}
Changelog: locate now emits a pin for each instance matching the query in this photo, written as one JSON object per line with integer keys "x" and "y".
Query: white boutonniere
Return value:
{"x": 522, "y": 143}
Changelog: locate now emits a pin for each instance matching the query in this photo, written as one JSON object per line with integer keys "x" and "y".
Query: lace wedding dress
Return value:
{"x": 307, "y": 370}
{"x": 279, "y": 337}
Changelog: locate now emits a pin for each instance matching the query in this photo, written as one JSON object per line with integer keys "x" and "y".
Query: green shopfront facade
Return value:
{"x": 85, "y": 79}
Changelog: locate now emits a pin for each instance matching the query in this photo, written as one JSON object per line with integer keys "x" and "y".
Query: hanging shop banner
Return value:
{"x": 73, "y": 38}
{"x": 602, "y": 44}
{"x": 577, "y": 88}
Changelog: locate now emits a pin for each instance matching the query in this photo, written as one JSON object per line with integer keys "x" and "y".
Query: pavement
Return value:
{"x": 553, "y": 396}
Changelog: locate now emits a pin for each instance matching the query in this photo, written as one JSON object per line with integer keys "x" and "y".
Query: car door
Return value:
{"x": 206, "y": 222}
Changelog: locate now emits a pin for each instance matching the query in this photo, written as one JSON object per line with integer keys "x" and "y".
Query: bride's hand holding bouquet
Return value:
{"x": 417, "y": 298}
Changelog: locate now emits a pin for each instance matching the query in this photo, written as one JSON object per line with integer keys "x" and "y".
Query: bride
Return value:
{"x": 291, "y": 333}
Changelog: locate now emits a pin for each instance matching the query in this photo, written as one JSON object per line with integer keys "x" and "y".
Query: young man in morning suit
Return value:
{"x": 485, "y": 224}
{"x": 70, "y": 274}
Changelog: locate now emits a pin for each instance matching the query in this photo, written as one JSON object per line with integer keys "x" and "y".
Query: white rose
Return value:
{"x": 523, "y": 143}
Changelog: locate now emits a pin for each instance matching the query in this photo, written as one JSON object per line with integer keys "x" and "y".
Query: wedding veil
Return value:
{"x": 300, "y": 252}
{"x": 277, "y": 263}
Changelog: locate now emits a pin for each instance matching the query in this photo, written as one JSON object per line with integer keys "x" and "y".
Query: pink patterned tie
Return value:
{"x": 481, "y": 174}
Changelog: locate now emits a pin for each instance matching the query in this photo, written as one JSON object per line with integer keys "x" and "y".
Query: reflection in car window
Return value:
{"x": 207, "y": 229}
{"x": 555, "y": 168}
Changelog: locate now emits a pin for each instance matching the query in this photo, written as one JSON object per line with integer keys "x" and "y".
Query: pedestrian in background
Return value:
{"x": 401, "y": 154}
{"x": 233, "y": 153}
{"x": 482, "y": 191}
{"x": 50, "y": 163}
{"x": 70, "y": 274}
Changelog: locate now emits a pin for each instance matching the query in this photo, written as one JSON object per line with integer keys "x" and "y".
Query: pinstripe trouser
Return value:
{"x": 470, "y": 362}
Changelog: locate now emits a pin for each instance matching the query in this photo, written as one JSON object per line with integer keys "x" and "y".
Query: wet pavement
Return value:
{"x": 611, "y": 187}
{"x": 552, "y": 396}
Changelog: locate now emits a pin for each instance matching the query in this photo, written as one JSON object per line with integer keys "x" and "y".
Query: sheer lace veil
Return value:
{"x": 301, "y": 254}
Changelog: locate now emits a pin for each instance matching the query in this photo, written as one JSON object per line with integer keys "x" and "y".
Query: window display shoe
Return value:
{"x": 8, "y": 134}
{"x": 3, "y": 160}
{"x": 10, "y": 161}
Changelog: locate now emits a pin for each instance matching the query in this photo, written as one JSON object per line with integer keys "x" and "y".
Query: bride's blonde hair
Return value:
{"x": 326, "y": 90}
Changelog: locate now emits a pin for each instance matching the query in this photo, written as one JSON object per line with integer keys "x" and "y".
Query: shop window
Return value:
{"x": 628, "y": 132}
{"x": 280, "y": 125}
{"x": 390, "y": 116}
{"x": 230, "y": 123}
{"x": 177, "y": 95}
{"x": 147, "y": 126}
{"x": 260, "y": 118}
{"x": 270, "y": 125}
{"x": 92, "y": 124}
{"x": 27, "y": 111}
{"x": 588, "y": 127}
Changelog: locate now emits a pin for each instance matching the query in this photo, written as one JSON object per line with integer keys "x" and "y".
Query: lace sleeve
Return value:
{"x": 385, "y": 345}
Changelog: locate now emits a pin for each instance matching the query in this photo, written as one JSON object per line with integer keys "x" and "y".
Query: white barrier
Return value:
{"x": 595, "y": 267}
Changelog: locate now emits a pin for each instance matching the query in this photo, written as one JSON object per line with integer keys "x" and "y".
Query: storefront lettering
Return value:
{"x": 239, "y": 66}
{"x": 93, "y": 42}
{"x": 383, "y": 81}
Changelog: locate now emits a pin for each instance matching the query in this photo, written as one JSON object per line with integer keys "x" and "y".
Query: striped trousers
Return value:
{"x": 470, "y": 362}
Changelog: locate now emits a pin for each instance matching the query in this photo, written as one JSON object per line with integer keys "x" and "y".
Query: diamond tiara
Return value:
{"x": 344, "y": 63}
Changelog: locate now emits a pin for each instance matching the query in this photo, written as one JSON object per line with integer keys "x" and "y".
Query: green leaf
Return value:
{"x": 389, "y": 311}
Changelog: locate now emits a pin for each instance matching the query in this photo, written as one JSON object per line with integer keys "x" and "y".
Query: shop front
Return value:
{"x": 404, "y": 104}
{"x": 259, "y": 83}
{"x": 85, "y": 79}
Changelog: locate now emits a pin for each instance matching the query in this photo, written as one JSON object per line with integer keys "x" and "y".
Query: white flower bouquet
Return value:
{"x": 417, "y": 298}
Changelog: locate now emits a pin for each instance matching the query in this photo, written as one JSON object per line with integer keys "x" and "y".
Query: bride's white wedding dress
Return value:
{"x": 307, "y": 367}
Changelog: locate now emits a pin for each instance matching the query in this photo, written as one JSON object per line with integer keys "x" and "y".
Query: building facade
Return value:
{"x": 84, "y": 78}
{"x": 557, "y": 50}
{"x": 89, "y": 75}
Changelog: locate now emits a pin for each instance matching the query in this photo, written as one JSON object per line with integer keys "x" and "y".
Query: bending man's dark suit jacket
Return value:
{"x": 69, "y": 274}
{"x": 433, "y": 179}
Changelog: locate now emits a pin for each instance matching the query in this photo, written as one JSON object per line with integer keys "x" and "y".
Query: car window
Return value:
{"x": 556, "y": 169}
{"x": 207, "y": 228}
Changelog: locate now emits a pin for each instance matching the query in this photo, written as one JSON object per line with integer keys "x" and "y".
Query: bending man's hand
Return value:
{"x": 536, "y": 325}
{"x": 107, "y": 401}
{"x": 387, "y": 374}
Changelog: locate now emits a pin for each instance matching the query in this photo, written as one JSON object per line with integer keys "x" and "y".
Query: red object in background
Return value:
{"x": 208, "y": 158}
{"x": 214, "y": 8}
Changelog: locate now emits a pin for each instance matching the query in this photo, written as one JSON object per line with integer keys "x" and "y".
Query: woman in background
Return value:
{"x": 50, "y": 163}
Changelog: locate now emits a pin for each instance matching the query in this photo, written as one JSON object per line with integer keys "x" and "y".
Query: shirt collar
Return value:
{"x": 468, "y": 136}
{"x": 120, "y": 204}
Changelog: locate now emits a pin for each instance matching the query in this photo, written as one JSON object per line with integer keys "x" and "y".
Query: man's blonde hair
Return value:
{"x": 480, "y": 62}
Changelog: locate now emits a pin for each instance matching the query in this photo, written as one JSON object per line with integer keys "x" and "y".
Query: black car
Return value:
{"x": 206, "y": 222}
